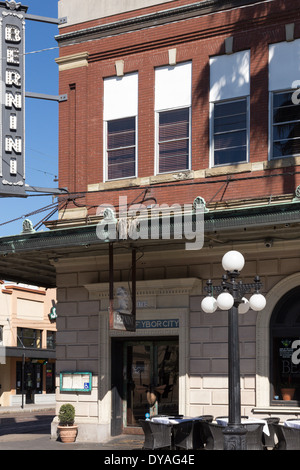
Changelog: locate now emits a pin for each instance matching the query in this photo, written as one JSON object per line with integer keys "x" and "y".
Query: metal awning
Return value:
{"x": 32, "y": 353}
{"x": 30, "y": 257}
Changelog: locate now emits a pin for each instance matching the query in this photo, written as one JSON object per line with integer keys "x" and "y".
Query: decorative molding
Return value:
{"x": 119, "y": 64}
{"x": 188, "y": 286}
{"x": 229, "y": 45}
{"x": 172, "y": 56}
{"x": 289, "y": 32}
{"x": 183, "y": 340}
{"x": 72, "y": 61}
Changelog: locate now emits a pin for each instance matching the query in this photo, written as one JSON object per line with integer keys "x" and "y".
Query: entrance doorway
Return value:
{"x": 151, "y": 379}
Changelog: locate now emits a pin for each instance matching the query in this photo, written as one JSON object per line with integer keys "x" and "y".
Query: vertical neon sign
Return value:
{"x": 12, "y": 127}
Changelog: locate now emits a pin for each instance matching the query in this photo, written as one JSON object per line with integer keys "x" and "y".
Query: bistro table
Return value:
{"x": 224, "y": 421}
{"x": 292, "y": 423}
{"x": 171, "y": 419}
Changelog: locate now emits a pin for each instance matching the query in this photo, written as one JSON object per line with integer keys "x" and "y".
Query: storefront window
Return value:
{"x": 51, "y": 339}
{"x": 29, "y": 338}
{"x": 50, "y": 378}
{"x": 285, "y": 350}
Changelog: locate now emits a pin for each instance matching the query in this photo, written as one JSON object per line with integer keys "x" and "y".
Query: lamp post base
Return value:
{"x": 235, "y": 437}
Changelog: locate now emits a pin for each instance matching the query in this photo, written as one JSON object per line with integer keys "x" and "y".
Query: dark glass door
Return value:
{"x": 151, "y": 382}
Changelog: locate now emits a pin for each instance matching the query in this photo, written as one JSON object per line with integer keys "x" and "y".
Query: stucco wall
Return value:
{"x": 78, "y": 11}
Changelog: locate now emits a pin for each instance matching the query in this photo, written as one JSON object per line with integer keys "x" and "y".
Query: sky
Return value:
{"x": 41, "y": 121}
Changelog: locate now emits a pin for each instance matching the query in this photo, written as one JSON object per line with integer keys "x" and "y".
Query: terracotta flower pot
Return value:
{"x": 287, "y": 393}
{"x": 67, "y": 433}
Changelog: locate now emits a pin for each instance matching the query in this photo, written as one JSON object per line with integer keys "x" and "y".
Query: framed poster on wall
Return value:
{"x": 75, "y": 381}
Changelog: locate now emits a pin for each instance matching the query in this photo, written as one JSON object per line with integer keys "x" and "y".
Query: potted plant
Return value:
{"x": 66, "y": 427}
{"x": 287, "y": 390}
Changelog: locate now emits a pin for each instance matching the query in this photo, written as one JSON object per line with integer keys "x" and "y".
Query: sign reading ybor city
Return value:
{"x": 12, "y": 125}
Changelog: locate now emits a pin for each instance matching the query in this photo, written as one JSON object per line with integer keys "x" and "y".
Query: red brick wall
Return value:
{"x": 81, "y": 129}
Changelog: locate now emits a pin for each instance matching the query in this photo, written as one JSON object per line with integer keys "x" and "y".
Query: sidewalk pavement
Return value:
{"x": 28, "y": 408}
{"x": 41, "y": 440}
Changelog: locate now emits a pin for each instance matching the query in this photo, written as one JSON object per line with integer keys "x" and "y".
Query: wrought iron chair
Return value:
{"x": 189, "y": 434}
{"x": 269, "y": 441}
{"x": 185, "y": 437}
{"x": 288, "y": 438}
{"x": 157, "y": 435}
{"x": 212, "y": 436}
{"x": 254, "y": 436}
{"x": 208, "y": 418}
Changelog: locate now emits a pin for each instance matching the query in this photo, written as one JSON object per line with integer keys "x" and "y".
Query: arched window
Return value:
{"x": 285, "y": 349}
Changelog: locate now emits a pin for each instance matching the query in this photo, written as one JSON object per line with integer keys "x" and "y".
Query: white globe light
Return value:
{"x": 233, "y": 261}
{"x": 209, "y": 304}
{"x": 225, "y": 301}
{"x": 257, "y": 302}
{"x": 244, "y": 306}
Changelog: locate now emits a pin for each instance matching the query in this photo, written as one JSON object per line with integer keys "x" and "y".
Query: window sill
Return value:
{"x": 195, "y": 174}
{"x": 156, "y": 179}
{"x": 281, "y": 162}
{"x": 277, "y": 409}
{"x": 115, "y": 184}
{"x": 228, "y": 169}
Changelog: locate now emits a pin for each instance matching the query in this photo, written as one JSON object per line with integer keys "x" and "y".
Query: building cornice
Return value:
{"x": 151, "y": 20}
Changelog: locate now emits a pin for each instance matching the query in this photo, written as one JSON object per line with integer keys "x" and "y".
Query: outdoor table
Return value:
{"x": 224, "y": 422}
{"x": 171, "y": 419}
{"x": 292, "y": 423}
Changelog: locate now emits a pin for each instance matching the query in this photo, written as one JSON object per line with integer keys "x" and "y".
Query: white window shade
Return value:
{"x": 284, "y": 65}
{"x": 120, "y": 97}
{"x": 173, "y": 86}
{"x": 230, "y": 76}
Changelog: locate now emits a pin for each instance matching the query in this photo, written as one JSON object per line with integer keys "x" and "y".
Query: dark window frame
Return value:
{"x": 27, "y": 340}
{"x": 283, "y": 147}
{"x": 284, "y": 325}
{"x": 223, "y": 135}
{"x": 120, "y": 142}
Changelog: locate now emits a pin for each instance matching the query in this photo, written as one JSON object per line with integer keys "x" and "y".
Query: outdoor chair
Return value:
{"x": 157, "y": 435}
{"x": 269, "y": 441}
{"x": 213, "y": 436}
{"x": 288, "y": 438}
{"x": 208, "y": 418}
{"x": 254, "y": 436}
{"x": 186, "y": 435}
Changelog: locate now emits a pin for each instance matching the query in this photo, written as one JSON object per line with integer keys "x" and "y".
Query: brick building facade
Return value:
{"x": 173, "y": 103}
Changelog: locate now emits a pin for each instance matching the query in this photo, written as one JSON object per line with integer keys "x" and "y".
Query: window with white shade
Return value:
{"x": 173, "y": 118}
{"x": 229, "y": 108}
{"x": 120, "y": 126}
{"x": 173, "y": 140}
{"x": 284, "y": 74}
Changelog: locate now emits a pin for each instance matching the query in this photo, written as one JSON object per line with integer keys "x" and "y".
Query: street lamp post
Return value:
{"x": 231, "y": 297}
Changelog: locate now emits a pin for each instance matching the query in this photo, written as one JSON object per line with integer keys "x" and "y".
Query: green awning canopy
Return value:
{"x": 28, "y": 258}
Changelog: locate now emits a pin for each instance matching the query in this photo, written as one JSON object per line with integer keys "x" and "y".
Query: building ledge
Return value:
{"x": 280, "y": 409}
{"x": 32, "y": 353}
